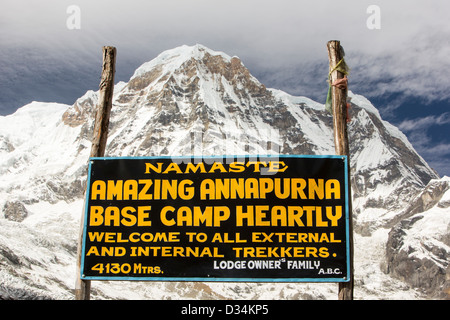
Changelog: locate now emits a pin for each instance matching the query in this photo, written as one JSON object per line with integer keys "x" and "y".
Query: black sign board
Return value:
{"x": 281, "y": 219}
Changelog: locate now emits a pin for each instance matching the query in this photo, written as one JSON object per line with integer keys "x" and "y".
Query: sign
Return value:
{"x": 282, "y": 219}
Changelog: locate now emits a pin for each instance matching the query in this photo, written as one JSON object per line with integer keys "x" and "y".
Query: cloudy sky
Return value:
{"x": 398, "y": 51}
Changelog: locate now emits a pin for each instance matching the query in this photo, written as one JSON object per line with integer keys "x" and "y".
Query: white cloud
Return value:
{"x": 435, "y": 152}
{"x": 420, "y": 124}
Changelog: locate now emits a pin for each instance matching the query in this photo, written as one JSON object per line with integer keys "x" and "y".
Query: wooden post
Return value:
{"x": 105, "y": 102}
{"x": 83, "y": 287}
{"x": 339, "y": 107}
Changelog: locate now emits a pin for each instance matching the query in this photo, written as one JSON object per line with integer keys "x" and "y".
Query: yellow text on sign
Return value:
{"x": 185, "y": 216}
{"x": 113, "y": 216}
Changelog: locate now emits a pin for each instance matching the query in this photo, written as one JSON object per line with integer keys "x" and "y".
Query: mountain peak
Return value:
{"x": 188, "y": 63}
{"x": 194, "y": 75}
{"x": 187, "y": 75}
{"x": 176, "y": 57}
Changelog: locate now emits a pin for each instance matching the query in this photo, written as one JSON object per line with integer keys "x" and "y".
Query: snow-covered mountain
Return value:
{"x": 193, "y": 100}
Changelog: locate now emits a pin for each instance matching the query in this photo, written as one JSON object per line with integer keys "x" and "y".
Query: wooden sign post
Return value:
{"x": 338, "y": 82}
{"x": 207, "y": 219}
{"x": 82, "y": 287}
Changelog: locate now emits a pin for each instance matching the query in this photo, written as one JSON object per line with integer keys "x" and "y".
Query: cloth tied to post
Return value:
{"x": 342, "y": 67}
